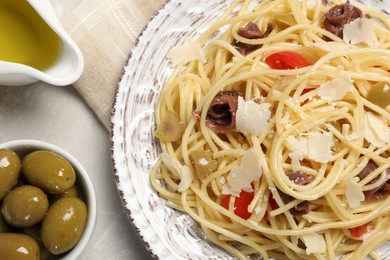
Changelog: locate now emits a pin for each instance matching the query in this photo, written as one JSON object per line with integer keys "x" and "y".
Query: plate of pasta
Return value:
{"x": 258, "y": 129}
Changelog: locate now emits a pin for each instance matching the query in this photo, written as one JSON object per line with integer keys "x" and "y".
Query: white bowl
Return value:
{"x": 23, "y": 147}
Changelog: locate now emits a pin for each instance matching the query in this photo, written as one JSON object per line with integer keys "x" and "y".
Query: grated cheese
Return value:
{"x": 251, "y": 117}
{"x": 315, "y": 243}
{"x": 241, "y": 177}
{"x": 360, "y": 30}
{"x": 296, "y": 156}
{"x": 335, "y": 89}
{"x": 353, "y": 193}
{"x": 331, "y": 46}
{"x": 186, "y": 53}
{"x": 376, "y": 130}
{"x": 316, "y": 146}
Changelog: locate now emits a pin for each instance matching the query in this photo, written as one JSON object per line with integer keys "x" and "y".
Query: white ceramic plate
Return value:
{"x": 167, "y": 234}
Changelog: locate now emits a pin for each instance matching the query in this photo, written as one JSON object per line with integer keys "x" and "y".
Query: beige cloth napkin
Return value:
{"x": 105, "y": 31}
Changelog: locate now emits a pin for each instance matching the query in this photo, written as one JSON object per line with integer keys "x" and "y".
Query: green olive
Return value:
{"x": 204, "y": 163}
{"x": 170, "y": 128}
{"x": 379, "y": 94}
{"x": 285, "y": 18}
{"x": 64, "y": 225}
{"x": 49, "y": 171}
{"x": 18, "y": 246}
{"x": 9, "y": 171}
{"x": 72, "y": 192}
{"x": 35, "y": 233}
{"x": 25, "y": 206}
{"x": 21, "y": 181}
{"x": 4, "y": 227}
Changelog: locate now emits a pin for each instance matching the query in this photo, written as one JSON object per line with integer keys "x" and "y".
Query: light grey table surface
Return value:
{"x": 60, "y": 116}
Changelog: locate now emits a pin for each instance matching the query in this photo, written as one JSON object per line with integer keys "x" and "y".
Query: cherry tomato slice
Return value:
{"x": 240, "y": 205}
{"x": 359, "y": 231}
{"x": 377, "y": 66}
{"x": 286, "y": 60}
{"x": 272, "y": 202}
{"x": 306, "y": 90}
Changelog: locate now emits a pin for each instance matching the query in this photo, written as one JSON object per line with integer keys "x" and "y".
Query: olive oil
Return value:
{"x": 25, "y": 37}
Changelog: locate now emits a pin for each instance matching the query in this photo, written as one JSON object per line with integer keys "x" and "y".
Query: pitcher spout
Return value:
{"x": 64, "y": 69}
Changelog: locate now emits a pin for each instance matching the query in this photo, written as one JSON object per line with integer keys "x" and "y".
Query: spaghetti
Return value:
{"x": 277, "y": 143}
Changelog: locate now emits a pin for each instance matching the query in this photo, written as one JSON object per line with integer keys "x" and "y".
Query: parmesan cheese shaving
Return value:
{"x": 331, "y": 46}
{"x": 315, "y": 243}
{"x": 335, "y": 89}
{"x": 241, "y": 177}
{"x": 296, "y": 156}
{"x": 251, "y": 117}
{"x": 316, "y": 146}
{"x": 376, "y": 130}
{"x": 186, "y": 53}
{"x": 360, "y": 30}
{"x": 181, "y": 171}
{"x": 226, "y": 190}
{"x": 353, "y": 193}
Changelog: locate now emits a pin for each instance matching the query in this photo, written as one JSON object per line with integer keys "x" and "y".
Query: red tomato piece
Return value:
{"x": 272, "y": 202}
{"x": 306, "y": 90}
{"x": 286, "y": 60}
{"x": 241, "y": 204}
{"x": 377, "y": 66}
{"x": 359, "y": 231}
